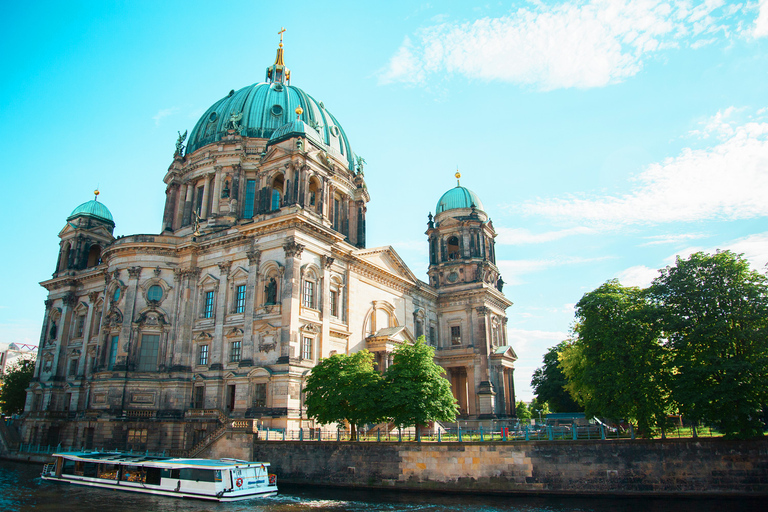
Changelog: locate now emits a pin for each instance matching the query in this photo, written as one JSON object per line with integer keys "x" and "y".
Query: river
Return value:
{"x": 22, "y": 489}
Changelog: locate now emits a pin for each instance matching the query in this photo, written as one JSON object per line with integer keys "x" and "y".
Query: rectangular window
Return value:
{"x": 419, "y": 328}
{"x": 334, "y": 303}
{"x": 199, "y": 201}
{"x": 202, "y": 358}
{"x": 275, "y": 200}
{"x": 150, "y": 344}
{"x": 432, "y": 336}
{"x": 308, "y": 297}
{"x": 73, "y": 367}
{"x": 113, "y": 352}
{"x": 240, "y": 299}
{"x": 208, "y": 308}
{"x": 80, "y": 326}
{"x": 260, "y": 395}
{"x": 199, "y": 396}
{"x": 456, "y": 335}
{"x": 250, "y": 194}
{"x": 306, "y": 348}
{"x": 235, "y": 354}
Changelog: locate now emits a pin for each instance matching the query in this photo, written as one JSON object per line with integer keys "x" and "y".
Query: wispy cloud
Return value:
{"x": 512, "y": 270}
{"x": 571, "y": 44}
{"x": 672, "y": 238}
{"x": 725, "y": 181}
{"x": 753, "y": 247}
{"x": 522, "y": 236}
{"x": 163, "y": 113}
{"x": 760, "y": 28}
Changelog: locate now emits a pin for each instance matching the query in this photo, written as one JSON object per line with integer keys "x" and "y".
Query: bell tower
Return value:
{"x": 472, "y": 345}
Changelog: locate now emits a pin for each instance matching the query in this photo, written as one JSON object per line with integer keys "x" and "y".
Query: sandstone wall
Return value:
{"x": 705, "y": 466}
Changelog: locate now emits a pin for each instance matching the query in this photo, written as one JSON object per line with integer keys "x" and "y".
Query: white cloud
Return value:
{"x": 761, "y": 23}
{"x": 672, "y": 239}
{"x": 640, "y": 276}
{"x": 163, "y": 113}
{"x": 521, "y": 236}
{"x": 572, "y": 44}
{"x": 512, "y": 270}
{"x": 726, "y": 181}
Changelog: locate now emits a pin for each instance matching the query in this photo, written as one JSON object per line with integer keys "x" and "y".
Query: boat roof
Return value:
{"x": 139, "y": 459}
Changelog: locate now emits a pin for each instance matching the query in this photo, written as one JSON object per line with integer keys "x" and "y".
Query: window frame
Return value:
{"x": 202, "y": 354}
{"x": 240, "y": 290}
{"x": 209, "y": 297}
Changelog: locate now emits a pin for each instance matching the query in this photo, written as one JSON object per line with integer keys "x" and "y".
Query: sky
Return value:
{"x": 604, "y": 137}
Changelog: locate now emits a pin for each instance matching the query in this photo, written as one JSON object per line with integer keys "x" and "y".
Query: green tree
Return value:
{"x": 539, "y": 409}
{"x": 344, "y": 388}
{"x": 13, "y": 393}
{"x": 549, "y": 383}
{"x": 522, "y": 411}
{"x": 715, "y": 316}
{"x": 617, "y": 366}
{"x": 415, "y": 391}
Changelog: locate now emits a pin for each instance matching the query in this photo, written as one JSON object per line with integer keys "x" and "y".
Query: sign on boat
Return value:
{"x": 207, "y": 479}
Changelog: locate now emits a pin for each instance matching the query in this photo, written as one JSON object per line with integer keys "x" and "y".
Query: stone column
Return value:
{"x": 187, "y": 220}
{"x": 249, "y": 350}
{"x": 206, "y": 192}
{"x": 216, "y": 191}
{"x": 291, "y": 298}
{"x": 126, "y": 332}
{"x": 218, "y": 350}
{"x": 43, "y": 337}
{"x": 325, "y": 304}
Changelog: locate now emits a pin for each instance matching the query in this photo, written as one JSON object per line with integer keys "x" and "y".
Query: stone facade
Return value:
{"x": 260, "y": 270}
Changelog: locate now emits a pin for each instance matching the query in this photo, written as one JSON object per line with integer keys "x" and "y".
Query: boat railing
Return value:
{"x": 49, "y": 469}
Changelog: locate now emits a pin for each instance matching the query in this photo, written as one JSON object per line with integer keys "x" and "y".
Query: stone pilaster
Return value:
{"x": 251, "y": 294}
{"x": 291, "y": 300}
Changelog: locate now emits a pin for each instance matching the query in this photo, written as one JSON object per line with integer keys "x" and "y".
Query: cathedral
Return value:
{"x": 260, "y": 270}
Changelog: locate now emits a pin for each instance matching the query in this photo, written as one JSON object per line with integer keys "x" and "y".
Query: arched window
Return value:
{"x": 453, "y": 248}
{"x": 155, "y": 293}
{"x": 313, "y": 195}
{"x": 94, "y": 256}
{"x": 64, "y": 263}
{"x": 277, "y": 191}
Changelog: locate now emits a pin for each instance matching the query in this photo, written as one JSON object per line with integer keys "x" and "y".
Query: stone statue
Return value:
{"x": 225, "y": 191}
{"x": 500, "y": 284}
{"x": 52, "y": 333}
{"x": 270, "y": 291}
{"x": 234, "y": 121}
{"x": 360, "y": 164}
{"x": 180, "y": 143}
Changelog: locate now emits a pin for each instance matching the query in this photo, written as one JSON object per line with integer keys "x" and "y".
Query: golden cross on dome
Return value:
{"x": 282, "y": 30}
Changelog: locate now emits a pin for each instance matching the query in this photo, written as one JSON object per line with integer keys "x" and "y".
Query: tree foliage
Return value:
{"x": 617, "y": 367}
{"x": 415, "y": 391}
{"x": 13, "y": 393}
{"x": 715, "y": 315}
{"x": 522, "y": 412}
{"x": 344, "y": 388}
{"x": 539, "y": 409}
{"x": 549, "y": 383}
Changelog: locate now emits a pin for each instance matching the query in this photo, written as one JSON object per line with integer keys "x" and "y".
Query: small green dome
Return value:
{"x": 93, "y": 209}
{"x": 458, "y": 197}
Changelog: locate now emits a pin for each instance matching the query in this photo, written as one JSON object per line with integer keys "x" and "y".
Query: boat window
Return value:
{"x": 108, "y": 471}
{"x": 197, "y": 475}
{"x": 171, "y": 473}
{"x": 68, "y": 468}
{"x": 89, "y": 469}
{"x": 153, "y": 476}
{"x": 134, "y": 474}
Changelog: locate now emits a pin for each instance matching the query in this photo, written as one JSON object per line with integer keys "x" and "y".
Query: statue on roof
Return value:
{"x": 360, "y": 163}
{"x": 234, "y": 121}
{"x": 180, "y": 143}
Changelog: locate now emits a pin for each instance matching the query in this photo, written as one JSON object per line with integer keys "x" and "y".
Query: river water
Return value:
{"x": 22, "y": 489}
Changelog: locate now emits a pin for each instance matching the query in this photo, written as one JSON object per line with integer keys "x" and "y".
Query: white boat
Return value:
{"x": 207, "y": 479}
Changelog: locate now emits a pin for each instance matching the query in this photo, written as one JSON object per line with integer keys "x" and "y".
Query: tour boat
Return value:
{"x": 207, "y": 479}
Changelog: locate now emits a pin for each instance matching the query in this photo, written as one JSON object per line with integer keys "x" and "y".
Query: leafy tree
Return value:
{"x": 13, "y": 393}
{"x": 415, "y": 391}
{"x": 344, "y": 388}
{"x": 549, "y": 383}
{"x": 538, "y": 408}
{"x": 617, "y": 366}
{"x": 715, "y": 315}
{"x": 522, "y": 411}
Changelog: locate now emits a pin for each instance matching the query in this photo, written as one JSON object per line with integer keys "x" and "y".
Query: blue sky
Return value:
{"x": 603, "y": 137}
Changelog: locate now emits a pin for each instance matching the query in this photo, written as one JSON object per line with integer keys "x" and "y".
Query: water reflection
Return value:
{"x": 22, "y": 489}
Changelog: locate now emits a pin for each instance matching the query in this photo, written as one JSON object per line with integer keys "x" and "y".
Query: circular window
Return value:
{"x": 212, "y": 117}
{"x": 277, "y": 87}
{"x": 276, "y": 110}
{"x": 155, "y": 293}
{"x": 116, "y": 295}
{"x": 334, "y": 131}
{"x": 452, "y": 277}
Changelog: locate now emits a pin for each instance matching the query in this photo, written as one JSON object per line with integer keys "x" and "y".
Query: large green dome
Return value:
{"x": 458, "y": 197}
{"x": 265, "y": 107}
{"x": 93, "y": 209}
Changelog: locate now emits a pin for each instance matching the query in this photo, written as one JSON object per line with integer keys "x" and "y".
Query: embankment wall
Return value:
{"x": 685, "y": 466}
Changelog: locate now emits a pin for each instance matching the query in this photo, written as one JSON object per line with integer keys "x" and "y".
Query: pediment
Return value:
{"x": 504, "y": 352}
{"x": 387, "y": 259}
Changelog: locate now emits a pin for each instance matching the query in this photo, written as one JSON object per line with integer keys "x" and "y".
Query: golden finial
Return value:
{"x": 282, "y": 30}
{"x": 96, "y": 195}
{"x": 299, "y": 111}
{"x": 458, "y": 175}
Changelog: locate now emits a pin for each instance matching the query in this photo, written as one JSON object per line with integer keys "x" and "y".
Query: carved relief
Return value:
{"x": 293, "y": 249}
{"x": 134, "y": 272}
